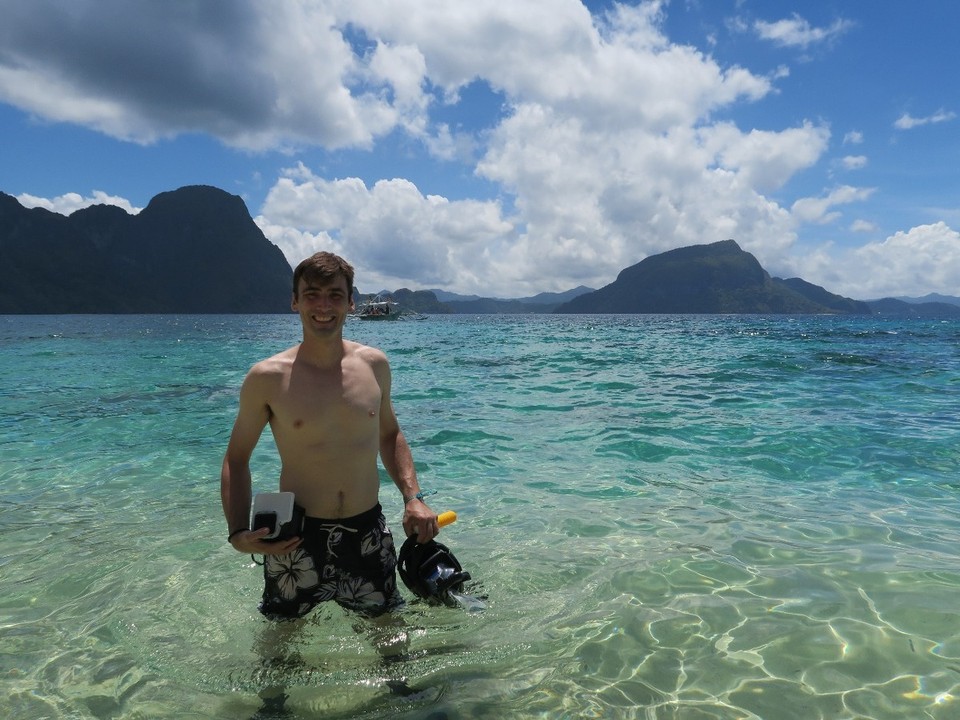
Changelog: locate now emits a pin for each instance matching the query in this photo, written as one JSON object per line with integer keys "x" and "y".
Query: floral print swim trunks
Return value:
{"x": 349, "y": 560}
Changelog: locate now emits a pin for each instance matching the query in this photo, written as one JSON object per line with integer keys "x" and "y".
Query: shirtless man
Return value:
{"x": 327, "y": 401}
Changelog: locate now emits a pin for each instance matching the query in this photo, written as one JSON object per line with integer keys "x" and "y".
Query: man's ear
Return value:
{"x": 293, "y": 302}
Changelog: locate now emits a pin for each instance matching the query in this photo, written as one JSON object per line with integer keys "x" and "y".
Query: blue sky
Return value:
{"x": 506, "y": 149}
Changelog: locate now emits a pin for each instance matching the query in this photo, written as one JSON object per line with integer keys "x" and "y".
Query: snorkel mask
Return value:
{"x": 430, "y": 571}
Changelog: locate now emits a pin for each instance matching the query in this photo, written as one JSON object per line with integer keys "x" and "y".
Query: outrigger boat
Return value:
{"x": 382, "y": 308}
{"x": 378, "y": 309}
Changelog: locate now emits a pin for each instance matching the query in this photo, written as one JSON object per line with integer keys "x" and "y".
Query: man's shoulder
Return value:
{"x": 278, "y": 364}
{"x": 366, "y": 353}
{"x": 351, "y": 347}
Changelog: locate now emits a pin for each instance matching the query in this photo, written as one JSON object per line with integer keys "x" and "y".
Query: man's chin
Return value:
{"x": 322, "y": 329}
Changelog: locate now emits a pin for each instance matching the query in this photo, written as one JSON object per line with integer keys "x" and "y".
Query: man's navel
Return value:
{"x": 298, "y": 423}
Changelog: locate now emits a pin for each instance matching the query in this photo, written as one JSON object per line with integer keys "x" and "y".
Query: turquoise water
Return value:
{"x": 671, "y": 517}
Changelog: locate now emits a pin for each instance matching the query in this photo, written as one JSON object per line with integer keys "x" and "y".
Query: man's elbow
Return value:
{"x": 389, "y": 437}
{"x": 387, "y": 444}
{"x": 233, "y": 468}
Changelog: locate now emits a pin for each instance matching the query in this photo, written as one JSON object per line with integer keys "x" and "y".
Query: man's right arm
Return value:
{"x": 236, "y": 486}
{"x": 235, "y": 480}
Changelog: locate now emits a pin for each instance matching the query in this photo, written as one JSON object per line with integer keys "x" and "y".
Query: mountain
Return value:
{"x": 421, "y": 301}
{"x": 192, "y": 250}
{"x": 714, "y": 278}
{"x": 929, "y": 298}
{"x": 494, "y": 306}
{"x": 544, "y": 302}
{"x": 722, "y": 278}
{"x": 553, "y": 298}
{"x": 446, "y": 296}
{"x": 478, "y": 304}
{"x": 817, "y": 294}
{"x": 928, "y": 310}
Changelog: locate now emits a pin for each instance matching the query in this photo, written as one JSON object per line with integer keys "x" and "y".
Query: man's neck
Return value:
{"x": 322, "y": 352}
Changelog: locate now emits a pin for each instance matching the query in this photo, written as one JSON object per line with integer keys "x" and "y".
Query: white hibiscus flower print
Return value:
{"x": 370, "y": 543}
{"x": 359, "y": 593}
{"x": 292, "y": 573}
{"x": 388, "y": 556}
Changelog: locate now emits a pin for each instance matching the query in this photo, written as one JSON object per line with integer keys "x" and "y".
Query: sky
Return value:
{"x": 510, "y": 148}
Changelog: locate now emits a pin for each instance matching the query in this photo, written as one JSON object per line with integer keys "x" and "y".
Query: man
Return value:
{"x": 327, "y": 401}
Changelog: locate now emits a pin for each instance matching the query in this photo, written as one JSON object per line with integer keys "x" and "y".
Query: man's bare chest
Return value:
{"x": 326, "y": 402}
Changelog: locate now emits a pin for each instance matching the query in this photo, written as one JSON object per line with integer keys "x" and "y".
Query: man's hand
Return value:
{"x": 250, "y": 542}
{"x": 420, "y": 520}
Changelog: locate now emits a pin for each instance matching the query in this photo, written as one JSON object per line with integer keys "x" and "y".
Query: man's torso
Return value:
{"x": 326, "y": 423}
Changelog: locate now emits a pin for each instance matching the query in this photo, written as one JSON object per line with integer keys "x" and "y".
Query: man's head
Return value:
{"x": 323, "y": 268}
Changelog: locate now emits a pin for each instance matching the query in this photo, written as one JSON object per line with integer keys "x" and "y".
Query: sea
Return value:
{"x": 664, "y": 517}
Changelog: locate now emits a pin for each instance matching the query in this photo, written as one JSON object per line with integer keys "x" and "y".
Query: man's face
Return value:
{"x": 323, "y": 307}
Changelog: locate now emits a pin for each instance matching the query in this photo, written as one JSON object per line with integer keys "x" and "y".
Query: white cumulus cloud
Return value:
{"x": 854, "y": 162}
{"x": 921, "y": 260}
{"x": 71, "y": 202}
{"x": 915, "y": 262}
{"x": 795, "y": 31}
{"x": 908, "y": 122}
{"x": 391, "y": 231}
{"x": 863, "y": 226}
{"x": 821, "y": 210}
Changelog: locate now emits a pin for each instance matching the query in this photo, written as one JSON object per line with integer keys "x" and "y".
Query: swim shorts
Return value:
{"x": 349, "y": 560}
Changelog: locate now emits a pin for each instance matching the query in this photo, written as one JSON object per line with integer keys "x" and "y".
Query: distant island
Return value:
{"x": 709, "y": 279}
{"x": 197, "y": 250}
{"x": 192, "y": 250}
{"x": 716, "y": 278}
{"x": 443, "y": 302}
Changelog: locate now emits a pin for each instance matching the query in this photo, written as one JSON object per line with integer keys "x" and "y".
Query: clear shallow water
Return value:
{"x": 673, "y": 517}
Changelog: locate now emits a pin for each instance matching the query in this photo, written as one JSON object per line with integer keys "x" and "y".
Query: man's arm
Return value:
{"x": 235, "y": 481}
{"x": 397, "y": 459}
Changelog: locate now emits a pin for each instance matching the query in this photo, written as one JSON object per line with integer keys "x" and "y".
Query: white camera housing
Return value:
{"x": 272, "y": 510}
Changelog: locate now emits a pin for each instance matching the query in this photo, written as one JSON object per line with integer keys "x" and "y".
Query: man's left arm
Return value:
{"x": 397, "y": 459}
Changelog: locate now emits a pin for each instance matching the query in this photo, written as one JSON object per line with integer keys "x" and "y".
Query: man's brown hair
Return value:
{"x": 323, "y": 267}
